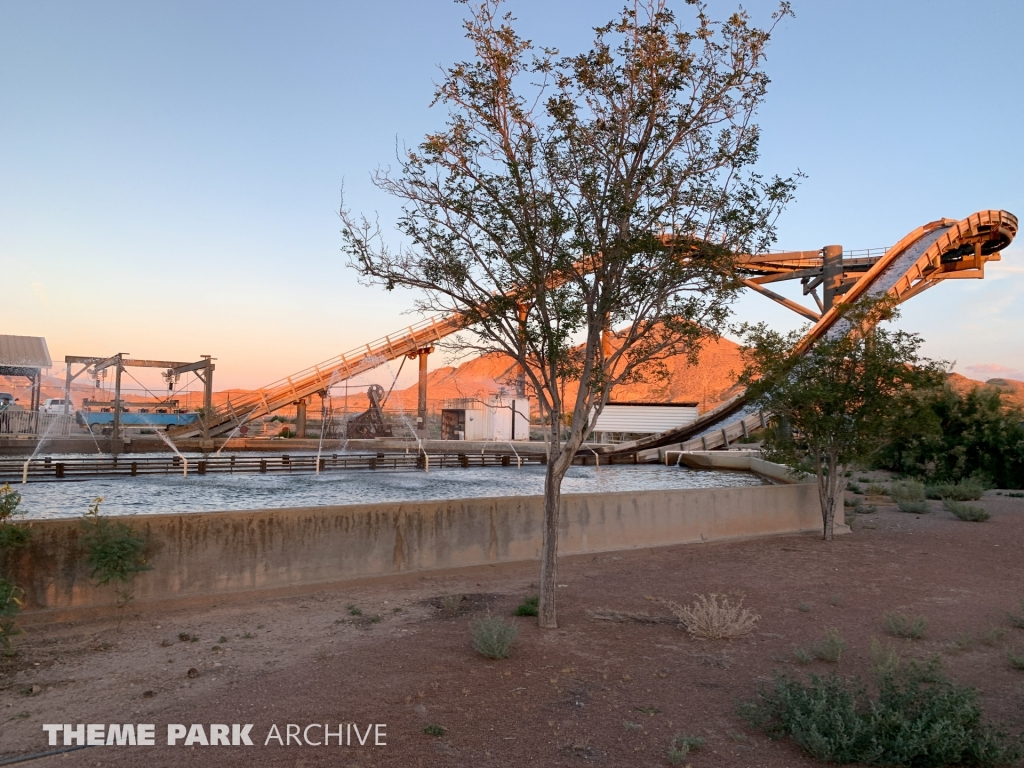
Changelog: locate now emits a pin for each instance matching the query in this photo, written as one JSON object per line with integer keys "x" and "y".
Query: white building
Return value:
{"x": 499, "y": 418}
{"x": 623, "y": 421}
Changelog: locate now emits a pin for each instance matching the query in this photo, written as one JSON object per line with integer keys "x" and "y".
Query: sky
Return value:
{"x": 170, "y": 172}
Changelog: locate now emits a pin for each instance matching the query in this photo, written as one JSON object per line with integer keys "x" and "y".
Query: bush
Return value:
{"x": 854, "y": 488}
{"x": 909, "y": 491}
{"x": 903, "y": 626}
{"x": 493, "y": 636}
{"x": 919, "y": 718}
{"x": 874, "y": 489}
{"x": 115, "y": 553}
{"x": 947, "y": 436}
{"x": 12, "y": 536}
{"x": 969, "y": 489}
{"x": 682, "y": 745}
{"x": 969, "y": 512}
{"x": 1017, "y": 619}
{"x": 528, "y": 607}
{"x": 711, "y": 620}
{"x": 1017, "y": 662}
{"x": 913, "y": 507}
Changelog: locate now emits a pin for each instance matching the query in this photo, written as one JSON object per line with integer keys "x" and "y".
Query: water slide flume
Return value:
{"x": 940, "y": 250}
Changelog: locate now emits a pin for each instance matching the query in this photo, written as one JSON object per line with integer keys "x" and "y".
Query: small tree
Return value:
{"x": 570, "y": 196}
{"x": 835, "y": 403}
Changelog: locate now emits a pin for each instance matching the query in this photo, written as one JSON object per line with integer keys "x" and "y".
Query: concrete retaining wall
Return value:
{"x": 200, "y": 555}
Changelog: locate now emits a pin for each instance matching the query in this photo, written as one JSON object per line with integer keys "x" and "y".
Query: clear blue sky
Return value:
{"x": 170, "y": 172}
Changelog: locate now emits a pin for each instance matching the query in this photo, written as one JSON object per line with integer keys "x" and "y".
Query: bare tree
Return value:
{"x": 581, "y": 214}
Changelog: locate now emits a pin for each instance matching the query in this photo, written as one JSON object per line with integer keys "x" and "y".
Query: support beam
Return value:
{"x": 832, "y": 272}
{"x": 783, "y": 301}
{"x": 421, "y": 395}
{"x": 300, "y": 418}
{"x": 115, "y": 435}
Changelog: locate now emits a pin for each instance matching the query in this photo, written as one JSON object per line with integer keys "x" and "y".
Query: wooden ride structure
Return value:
{"x": 940, "y": 250}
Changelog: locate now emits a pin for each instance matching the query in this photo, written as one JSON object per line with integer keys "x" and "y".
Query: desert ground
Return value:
{"x": 608, "y": 693}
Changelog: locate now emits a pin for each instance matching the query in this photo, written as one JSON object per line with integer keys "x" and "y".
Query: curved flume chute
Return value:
{"x": 940, "y": 250}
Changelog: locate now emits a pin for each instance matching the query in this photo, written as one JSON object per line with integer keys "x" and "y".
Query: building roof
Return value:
{"x": 24, "y": 352}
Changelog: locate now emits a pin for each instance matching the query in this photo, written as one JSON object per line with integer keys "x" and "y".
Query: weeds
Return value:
{"x": 854, "y": 488}
{"x": 970, "y": 513}
{"x": 804, "y": 607}
{"x": 437, "y": 731}
{"x": 713, "y": 620}
{"x": 903, "y": 626}
{"x": 918, "y": 718}
{"x": 829, "y": 649}
{"x": 493, "y": 636}
{"x": 528, "y": 607}
{"x": 874, "y": 489}
{"x": 1016, "y": 661}
{"x": 994, "y": 635}
{"x": 1017, "y": 621}
{"x": 835, "y": 600}
{"x": 450, "y": 604}
{"x": 1015, "y": 494}
{"x": 11, "y": 537}
{"x": 682, "y": 744}
{"x": 854, "y": 504}
{"x": 863, "y": 479}
{"x": 884, "y": 659}
{"x": 913, "y": 507}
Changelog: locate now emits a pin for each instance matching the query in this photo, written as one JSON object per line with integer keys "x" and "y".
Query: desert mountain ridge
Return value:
{"x": 709, "y": 383}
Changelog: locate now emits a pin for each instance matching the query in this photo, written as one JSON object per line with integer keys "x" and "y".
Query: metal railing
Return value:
{"x": 34, "y": 424}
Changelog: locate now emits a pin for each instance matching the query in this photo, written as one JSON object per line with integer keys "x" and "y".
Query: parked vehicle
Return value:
{"x": 55, "y": 405}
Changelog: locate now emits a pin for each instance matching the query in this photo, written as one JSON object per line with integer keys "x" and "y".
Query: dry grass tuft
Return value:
{"x": 714, "y": 618}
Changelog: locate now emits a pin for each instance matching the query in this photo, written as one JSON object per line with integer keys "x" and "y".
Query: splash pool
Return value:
{"x": 209, "y": 493}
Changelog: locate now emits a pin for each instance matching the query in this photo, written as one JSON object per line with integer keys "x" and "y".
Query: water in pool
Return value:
{"x": 217, "y": 492}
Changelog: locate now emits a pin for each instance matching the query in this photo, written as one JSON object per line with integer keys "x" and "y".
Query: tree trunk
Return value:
{"x": 831, "y": 484}
{"x": 558, "y": 465}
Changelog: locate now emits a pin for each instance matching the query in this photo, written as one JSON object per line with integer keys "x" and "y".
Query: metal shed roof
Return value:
{"x": 24, "y": 352}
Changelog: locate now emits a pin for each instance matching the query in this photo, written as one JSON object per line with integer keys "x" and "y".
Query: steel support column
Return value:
{"x": 832, "y": 271}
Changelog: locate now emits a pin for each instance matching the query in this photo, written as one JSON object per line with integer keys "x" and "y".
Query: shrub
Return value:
{"x": 12, "y": 536}
{"x": 903, "y": 626}
{"x": 968, "y": 489}
{"x": 115, "y": 553}
{"x": 682, "y": 745}
{"x": 434, "y": 730}
{"x": 854, "y": 488}
{"x": 918, "y": 718}
{"x": 1017, "y": 620}
{"x": 913, "y": 507}
{"x": 1015, "y": 494}
{"x": 909, "y": 491}
{"x": 831, "y": 648}
{"x": 972, "y": 513}
{"x": 450, "y": 604}
{"x": 874, "y": 489}
{"x": 711, "y": 620}
{"x": 1017, "y": 662}
{"x": 884, "y": 660}
{"x": 854, "y": 504}
{"x": 493, "y": 636}
{"x": 528, "y": 607}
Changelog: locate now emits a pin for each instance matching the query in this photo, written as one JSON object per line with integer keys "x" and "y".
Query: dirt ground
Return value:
{"x": 591, "y": 692}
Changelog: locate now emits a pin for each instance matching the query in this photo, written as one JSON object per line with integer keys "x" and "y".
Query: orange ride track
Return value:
{"x": 937, "y": 251}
